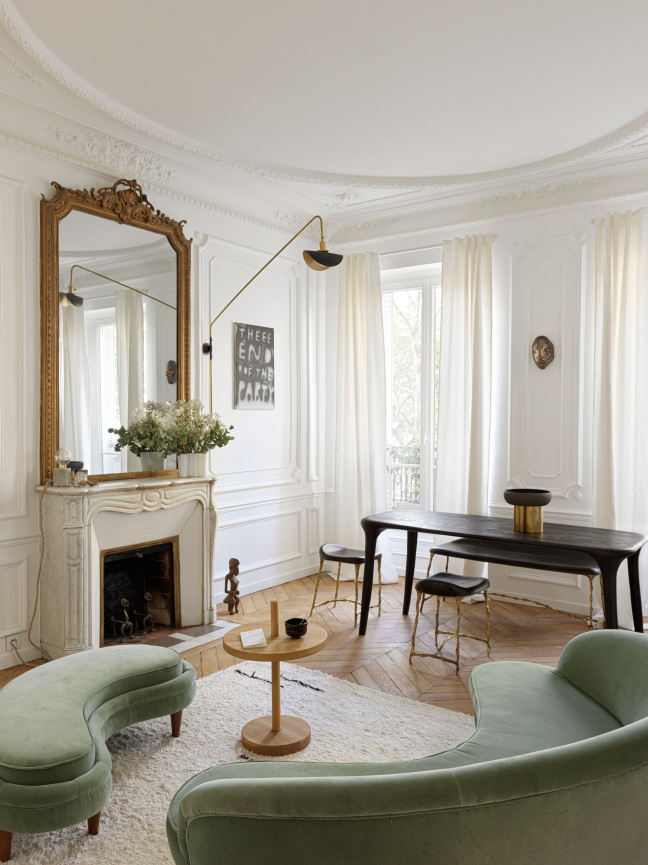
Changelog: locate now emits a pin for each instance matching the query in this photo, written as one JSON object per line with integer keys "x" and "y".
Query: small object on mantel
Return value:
{"x": 527, "y": 508}
{"x": 232, "y": 598}
{"x": 61, "y": 477}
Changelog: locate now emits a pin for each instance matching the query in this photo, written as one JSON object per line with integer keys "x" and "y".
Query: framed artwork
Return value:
{"x": 254, "y": 385}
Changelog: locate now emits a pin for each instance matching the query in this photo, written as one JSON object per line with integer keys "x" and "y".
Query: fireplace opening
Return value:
{"x": 140, "y": 592}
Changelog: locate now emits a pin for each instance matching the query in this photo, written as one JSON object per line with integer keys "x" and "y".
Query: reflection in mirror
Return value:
{"x": 117, "y": 349}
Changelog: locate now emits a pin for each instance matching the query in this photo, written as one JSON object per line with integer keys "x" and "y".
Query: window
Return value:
{"x": 411, "y": 316}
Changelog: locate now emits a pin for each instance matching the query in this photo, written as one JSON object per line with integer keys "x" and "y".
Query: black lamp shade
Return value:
{"x": 321, "y": 259}
{"x": 71, "y": 298}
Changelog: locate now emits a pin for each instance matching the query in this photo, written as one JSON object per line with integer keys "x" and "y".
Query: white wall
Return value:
{"x": 543, "y": 281}
{"x": 270, "y": 490}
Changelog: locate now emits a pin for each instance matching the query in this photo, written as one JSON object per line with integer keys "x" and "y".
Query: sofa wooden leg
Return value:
{"x": 93, "y": 824}
{"x": 5, "y": 845}
{"x": 176, "y": 721}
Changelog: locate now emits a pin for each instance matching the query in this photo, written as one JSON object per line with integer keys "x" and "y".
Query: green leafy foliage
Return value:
{"x": 180, "y": 427}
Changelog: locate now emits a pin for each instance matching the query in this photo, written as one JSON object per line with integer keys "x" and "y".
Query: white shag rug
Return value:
{"x": 350, "y": 724}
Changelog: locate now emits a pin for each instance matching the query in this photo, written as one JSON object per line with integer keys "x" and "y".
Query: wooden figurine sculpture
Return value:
{"x": 231, "y": 587}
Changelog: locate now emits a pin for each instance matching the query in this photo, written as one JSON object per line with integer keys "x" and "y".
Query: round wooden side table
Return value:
{"x": 276, "y": 735}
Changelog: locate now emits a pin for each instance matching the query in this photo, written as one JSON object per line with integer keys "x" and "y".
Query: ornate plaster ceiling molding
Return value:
{"x": 541, "y": 192}
{"x": 114, "y": 155}
{"x": 19, "y": 70}
{"x": 626, "y": 137}
{"x": 367, "y": 230}
{"x": 24, "y": 145}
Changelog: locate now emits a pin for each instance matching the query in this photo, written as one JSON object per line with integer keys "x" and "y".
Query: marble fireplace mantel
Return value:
{"x": 79, "y": 523}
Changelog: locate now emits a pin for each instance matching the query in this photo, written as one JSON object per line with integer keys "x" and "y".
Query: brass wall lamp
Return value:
{"x": 317, "y": 259}
{"x": 70, "y": 298}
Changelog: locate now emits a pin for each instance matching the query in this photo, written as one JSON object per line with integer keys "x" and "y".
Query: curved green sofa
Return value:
{"x": 556, "y": 772}
{"x": 55, "y": 769}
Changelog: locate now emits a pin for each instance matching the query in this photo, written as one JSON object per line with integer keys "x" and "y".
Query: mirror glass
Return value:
{"x": 117, "y": 350}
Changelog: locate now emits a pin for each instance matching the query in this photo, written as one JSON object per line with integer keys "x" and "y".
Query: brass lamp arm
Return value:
{"x": 310, "y": 222}
{"x": 123, "y": 284}
{"x": 313, "y": 260}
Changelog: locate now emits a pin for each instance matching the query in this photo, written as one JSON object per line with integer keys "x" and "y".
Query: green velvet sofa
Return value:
{"x": 556, "y": 773}
{"x": 55, "y": 769}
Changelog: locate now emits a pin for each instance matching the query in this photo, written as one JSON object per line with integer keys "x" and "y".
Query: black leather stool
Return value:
{"x": 446, "y": 585}
{"x": 344, "y": 555}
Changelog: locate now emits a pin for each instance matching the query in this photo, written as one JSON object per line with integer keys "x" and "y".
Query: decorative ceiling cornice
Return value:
{"x": 540, "y": 191}
{"x": 22, "y": 144}
{"x": 122, "y": 156}
{"x": 633, "y": 135}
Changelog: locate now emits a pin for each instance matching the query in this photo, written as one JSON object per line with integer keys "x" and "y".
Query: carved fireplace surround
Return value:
{"x": 81, "y": 523}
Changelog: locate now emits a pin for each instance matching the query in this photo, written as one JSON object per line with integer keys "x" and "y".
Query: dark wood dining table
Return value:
{"x": 608, "y": 547}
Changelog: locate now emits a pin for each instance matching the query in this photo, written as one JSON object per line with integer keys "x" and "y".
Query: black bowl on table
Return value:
{"x": 527, "y": 498}
{"x": 296, "y": 627}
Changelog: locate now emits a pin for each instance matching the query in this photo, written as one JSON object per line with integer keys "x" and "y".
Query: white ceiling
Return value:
{"x": 363, "y": 87}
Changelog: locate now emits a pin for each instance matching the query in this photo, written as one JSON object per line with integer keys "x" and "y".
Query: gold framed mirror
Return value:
{"x": 125, "y": 336}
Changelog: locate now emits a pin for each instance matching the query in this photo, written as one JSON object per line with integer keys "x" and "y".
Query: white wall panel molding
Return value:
{"x": 546, "y": 423}
{"x": 268, "y": 448}
{"x": 13, "y": 358}
{"x": 14, "y": 613}
{"x": 19, "y": 542}
{"x": 313, "y": 543}
{"x": 572, "y": 517}
{"x": 265, "y": 544}
{"x": 572, "y": 581}
{"x": 255, "y": 504}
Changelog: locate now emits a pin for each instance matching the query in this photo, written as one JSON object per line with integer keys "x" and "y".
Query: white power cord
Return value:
{"x": 14, "y": 642}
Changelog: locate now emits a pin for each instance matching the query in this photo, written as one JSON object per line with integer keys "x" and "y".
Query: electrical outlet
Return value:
{"x": 13, "y": 638}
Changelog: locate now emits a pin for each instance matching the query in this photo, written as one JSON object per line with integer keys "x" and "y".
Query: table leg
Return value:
{"x": 609, "y": 568}
{"x": 410, "y": 565}
{"x": 276, "y": 697}
{"x": 371, "y": 536}
{"x": 635, "y": 592}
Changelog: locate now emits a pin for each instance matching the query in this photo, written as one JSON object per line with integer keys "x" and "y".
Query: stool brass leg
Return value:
{"x": 447, "y": 563}
{"x": 418, "y": 610}
{"x": 458, "y": 629}
{"x": 591, "y": 615}
{"x": 425, "y": 597}
{"x": 379, "y": 589}
{"x": 487, "y": 623}
{"x": 337, "y": 585}
{"x": 319, "y": 575}
{"x": 355, "y": 606}
{"x": 436, "y": 626}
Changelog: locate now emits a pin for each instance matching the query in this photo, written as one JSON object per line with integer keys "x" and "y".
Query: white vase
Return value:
{"x": 151, "y": 461}
{"x": 200, "y": 465}
{"x": 184, "y": 465}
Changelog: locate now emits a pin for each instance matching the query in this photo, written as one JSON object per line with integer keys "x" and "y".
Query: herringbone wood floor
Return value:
{"x": 380, "y": 658}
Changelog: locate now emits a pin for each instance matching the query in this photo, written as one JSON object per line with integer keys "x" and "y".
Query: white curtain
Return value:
{"x": 620, "y": 482}
{"x": 463, "y": 437}
{"x": 129, "y": 319}
{"x": 360, "y": 435}
{"x": 75, "y": 433}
